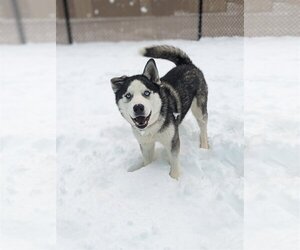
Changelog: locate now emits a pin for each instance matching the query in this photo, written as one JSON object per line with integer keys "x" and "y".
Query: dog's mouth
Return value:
{"x": 141, "y": 122}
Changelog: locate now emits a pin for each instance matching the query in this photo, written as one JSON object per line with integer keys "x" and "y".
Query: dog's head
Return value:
{"x": 138, "y": 96}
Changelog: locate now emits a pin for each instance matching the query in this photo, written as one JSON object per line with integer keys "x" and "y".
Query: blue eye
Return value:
{"x": 128, "y": 95}
{"x": 147, "y": 93}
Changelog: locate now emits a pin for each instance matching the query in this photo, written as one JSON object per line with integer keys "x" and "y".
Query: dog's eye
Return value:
{"x": 128, "y": 95}
{"x": 147, "y": 93}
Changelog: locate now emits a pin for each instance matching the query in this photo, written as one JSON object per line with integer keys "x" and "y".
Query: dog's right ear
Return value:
{"x": 151, "y": 72}
{"x": 117, "y": 83}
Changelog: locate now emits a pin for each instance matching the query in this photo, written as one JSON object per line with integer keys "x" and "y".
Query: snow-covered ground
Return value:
{"x": 272, "y": 144}
{"x": 241, "y": 194}
{"x": 27, "y": 147}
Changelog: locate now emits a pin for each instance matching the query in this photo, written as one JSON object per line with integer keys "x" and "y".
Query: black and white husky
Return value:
{"x": 155, "y": 106}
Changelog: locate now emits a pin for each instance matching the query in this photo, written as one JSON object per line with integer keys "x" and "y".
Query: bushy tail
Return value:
{"x": 167, "y": 52}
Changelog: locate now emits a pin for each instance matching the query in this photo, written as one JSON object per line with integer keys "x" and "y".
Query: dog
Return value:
{"x": 156, "y": 106}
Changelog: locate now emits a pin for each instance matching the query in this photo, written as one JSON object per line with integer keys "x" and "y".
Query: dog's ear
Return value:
{"x": 151, "y": 72}
{"x": 117, "y": 82}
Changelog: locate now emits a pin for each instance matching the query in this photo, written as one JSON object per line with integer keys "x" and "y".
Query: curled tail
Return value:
{"x": 167, "y": 52}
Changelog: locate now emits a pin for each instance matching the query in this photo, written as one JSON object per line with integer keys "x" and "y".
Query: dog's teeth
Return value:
{"x": 176, "y": 115}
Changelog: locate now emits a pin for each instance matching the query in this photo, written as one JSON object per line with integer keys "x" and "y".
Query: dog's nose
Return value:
{"x": 138, "y": 109}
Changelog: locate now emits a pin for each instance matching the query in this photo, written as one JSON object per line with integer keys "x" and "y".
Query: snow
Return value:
{"x": 271, "y": 156}
{"x": 144, "y": 9}
{"x": 65, "y": 151}
{"x": 27, "y": 147}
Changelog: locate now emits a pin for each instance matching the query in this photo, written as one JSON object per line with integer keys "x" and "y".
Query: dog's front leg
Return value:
{"x": 173, "y": 148}
{"x": 175, "y": 167}
{"x": 147, "y": 152}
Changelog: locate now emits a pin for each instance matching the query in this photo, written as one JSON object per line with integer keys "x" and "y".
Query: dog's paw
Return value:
{"x": 135, "y": 167}
{"x": 174, "y": 173}
{"x": 204, "y": 145}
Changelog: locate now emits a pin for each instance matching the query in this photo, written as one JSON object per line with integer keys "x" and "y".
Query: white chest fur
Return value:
{"x": 153, "y": 134}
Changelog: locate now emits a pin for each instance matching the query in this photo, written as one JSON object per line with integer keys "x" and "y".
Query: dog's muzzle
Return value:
{"x": 141, "y": 122}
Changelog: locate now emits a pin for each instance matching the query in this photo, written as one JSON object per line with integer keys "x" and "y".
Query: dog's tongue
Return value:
{"x": 140, "y": 119}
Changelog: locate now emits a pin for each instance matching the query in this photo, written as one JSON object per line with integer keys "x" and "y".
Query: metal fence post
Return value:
{"x": 200, "y": 19}
{"x": 18, "y": 18}
{"x": 68, "y": 24}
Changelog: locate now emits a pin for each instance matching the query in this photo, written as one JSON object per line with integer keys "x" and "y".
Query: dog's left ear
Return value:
{"x": 151, "y": 72}
{"x": 117, "y": 82}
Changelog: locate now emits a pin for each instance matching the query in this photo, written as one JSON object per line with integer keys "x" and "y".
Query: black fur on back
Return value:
{"x": 189, "y": 82}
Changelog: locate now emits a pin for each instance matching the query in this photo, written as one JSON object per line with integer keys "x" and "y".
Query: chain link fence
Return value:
{"x": 222, "y": 18}
{"x": 67, "y": 21}
{"x": 25, "y": 21}
{"x": 272, "y": 18}
{"x": 115, "y": 20}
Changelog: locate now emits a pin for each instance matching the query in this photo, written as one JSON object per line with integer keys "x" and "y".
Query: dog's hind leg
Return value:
{"x": 199, "y": 110}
